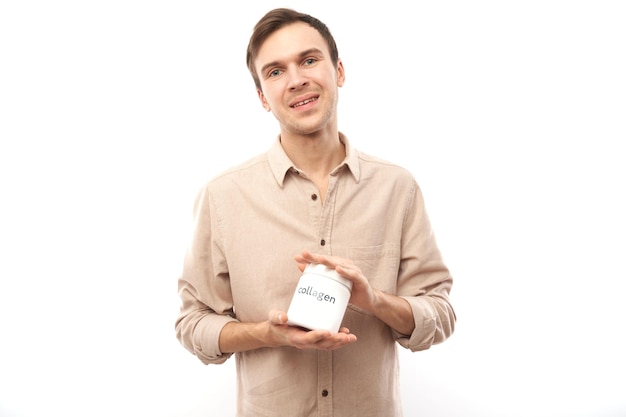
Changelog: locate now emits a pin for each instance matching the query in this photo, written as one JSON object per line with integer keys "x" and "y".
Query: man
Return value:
{"x": 311, "y": 198}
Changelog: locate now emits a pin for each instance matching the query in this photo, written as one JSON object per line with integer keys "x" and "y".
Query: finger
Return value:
{"x": 316, "y": 336}
{"x": 277, "y": 317}
{"x": 337, "y": 341}
{"x": 301, "y": 265}
{"x": 344, "y": 330}
{"x": 346, "y": 336}
{"x": 305, "y": 257}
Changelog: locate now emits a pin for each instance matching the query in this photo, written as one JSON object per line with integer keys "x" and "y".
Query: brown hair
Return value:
{"x": 277, "y": 19}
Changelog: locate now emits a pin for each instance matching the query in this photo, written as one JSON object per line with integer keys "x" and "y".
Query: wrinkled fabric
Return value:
{"x": 251, "y": 220}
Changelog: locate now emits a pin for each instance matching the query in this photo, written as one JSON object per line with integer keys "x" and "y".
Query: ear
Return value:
{"x": 264, "y": 102}
{"x": 341, "y": 74}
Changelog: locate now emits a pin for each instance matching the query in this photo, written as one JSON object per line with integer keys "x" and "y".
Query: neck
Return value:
{"x": 317, "y": 154}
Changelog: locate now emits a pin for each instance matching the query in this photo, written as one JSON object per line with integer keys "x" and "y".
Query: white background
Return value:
{"x": 511, "y": 115}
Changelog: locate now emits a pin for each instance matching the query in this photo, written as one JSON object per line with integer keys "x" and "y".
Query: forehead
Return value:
{"x": 288, "y": 42}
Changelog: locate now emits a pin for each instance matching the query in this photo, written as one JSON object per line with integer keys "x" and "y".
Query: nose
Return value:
{"x": 297, "y": 78}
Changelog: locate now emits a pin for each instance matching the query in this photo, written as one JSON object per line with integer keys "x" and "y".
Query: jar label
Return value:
{"x": 319, "y": 296}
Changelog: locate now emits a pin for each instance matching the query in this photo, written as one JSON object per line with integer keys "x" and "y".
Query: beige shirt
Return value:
{"x": 250, "y": 221}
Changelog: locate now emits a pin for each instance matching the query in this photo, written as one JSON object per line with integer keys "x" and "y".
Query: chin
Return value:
{"x": 308, "y": 128}
{"x": 301, "y": 129}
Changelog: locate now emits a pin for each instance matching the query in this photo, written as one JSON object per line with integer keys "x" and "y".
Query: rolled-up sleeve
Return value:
{"x": 434, "y": 323}
{"x": 203, "y": 287}
{"x": 424, "y": 280}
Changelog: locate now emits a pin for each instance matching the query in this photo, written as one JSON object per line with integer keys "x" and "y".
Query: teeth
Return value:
{"x": 302, "y": 103}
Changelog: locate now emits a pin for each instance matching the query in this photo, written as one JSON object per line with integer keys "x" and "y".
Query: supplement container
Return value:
{"x": 320, "y": 299}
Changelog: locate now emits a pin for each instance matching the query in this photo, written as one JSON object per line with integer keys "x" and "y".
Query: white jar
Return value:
{"x": 320, "y": 299}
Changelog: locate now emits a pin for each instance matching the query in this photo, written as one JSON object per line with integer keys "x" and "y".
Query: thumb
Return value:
{"x": 277, "y": 317}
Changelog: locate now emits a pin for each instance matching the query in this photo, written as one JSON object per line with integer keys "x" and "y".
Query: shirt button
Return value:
{"x": 325, "y": 393}
{"x": 322, "y": 242}
{"x": 313, "y": 197}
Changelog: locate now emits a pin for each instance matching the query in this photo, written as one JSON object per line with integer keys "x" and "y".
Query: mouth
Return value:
{"x": 304, "y": 102}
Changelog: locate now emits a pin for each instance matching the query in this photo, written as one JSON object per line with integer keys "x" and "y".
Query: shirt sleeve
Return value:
{"x": 204, "y": 288}
{"x": 423, "y": 280}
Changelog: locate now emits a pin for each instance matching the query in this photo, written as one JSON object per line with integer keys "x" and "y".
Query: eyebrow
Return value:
{"x": 310, "y": 51}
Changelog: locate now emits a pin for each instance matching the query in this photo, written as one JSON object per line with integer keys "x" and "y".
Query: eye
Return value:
{"x": 274, "y": 73}
{"x": 310, "y": 61}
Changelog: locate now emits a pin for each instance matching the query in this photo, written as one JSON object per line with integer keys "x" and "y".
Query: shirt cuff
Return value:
{"x": 206, "y": 341}
{"x": 425, "y": 318}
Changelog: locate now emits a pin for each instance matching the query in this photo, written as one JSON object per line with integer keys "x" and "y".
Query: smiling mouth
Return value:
{"x": 302, "y": 103}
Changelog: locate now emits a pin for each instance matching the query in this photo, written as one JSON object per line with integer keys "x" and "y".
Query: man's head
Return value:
{"x": 275, "y": 20}
{"x": 295, "y": 65}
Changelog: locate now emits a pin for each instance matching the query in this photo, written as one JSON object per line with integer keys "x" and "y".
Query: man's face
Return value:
{"x": 298, "y": 79}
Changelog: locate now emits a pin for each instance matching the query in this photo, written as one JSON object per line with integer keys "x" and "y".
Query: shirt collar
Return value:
{"x": 280, "y": 163}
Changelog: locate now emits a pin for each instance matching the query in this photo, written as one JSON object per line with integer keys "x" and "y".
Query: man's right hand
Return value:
{"x": 275, "y": 332}
{"x": 286, "y": 335}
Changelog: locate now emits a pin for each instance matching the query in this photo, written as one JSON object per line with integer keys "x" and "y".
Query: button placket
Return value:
{"x": 325, "y": 383}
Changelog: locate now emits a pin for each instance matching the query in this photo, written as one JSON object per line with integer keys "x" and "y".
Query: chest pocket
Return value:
{"x": 378, "y": 263}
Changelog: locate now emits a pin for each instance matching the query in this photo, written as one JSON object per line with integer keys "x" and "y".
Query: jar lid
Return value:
{"x": 323, "y": 270}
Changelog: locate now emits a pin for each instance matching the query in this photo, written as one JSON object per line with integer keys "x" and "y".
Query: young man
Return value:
{"x": 312, "y": 198}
